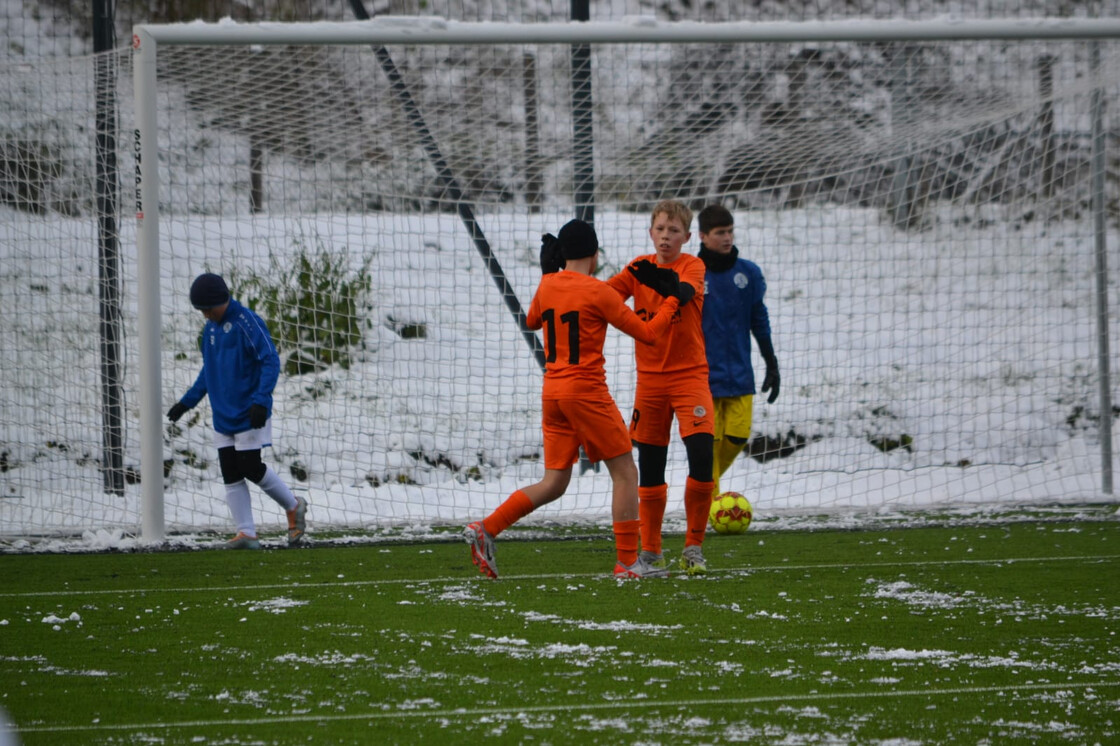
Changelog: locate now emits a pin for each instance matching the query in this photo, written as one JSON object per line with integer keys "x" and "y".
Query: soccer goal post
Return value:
{"x": 933, "y": 205}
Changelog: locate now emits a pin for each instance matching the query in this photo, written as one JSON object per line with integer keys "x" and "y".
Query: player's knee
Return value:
{"x": 699, "y": 447}
{"x": 622, "y": 469}
{"x": 651, "y": 464}
{"x": 227, "y": 462}
{"x": 555, "y": 482}
{"x": 250, "y": 465}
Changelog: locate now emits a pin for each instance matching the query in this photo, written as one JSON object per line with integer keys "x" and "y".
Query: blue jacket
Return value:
{"x": 240, "y": 367}
{"x": 733, "y": 310}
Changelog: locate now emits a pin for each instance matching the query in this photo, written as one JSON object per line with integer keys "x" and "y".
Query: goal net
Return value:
{"x": 923, "y": 211}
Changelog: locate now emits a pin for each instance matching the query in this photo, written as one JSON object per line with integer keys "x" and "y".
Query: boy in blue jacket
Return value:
{"x": 240, "y": 367}
{"x": 734, "y": 310}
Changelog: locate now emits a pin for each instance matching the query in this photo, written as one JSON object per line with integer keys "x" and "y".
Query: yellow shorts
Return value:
{"x": 733, "y": 416}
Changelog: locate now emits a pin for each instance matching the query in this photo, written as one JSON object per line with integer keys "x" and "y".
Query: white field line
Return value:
{"x": 568, "y": 707}
{"x": 554, "y": 576}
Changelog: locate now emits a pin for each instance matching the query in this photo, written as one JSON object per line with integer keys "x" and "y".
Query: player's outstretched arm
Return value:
{"x": 620, "y": 316}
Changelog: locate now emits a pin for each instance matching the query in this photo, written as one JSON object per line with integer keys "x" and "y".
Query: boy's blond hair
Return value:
{"x": 673, "y": 209}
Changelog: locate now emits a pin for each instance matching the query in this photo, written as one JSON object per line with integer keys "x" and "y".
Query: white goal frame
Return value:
{"x": 146, "y": 41}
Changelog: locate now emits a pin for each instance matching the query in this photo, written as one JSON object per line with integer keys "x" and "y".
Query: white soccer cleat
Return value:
{"x": 297, "y": 522}
{"x": 640, "y": 569}
{"x": 482, "y": 549}
{"x": 692, "y": 560}
{"x": 243, "y": 541}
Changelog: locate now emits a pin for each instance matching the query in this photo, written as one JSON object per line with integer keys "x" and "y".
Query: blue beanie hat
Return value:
{"x": 208, "y": 291}
{"x": 577, "y": 240}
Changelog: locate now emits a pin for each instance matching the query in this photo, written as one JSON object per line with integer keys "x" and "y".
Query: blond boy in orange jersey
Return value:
{"x": 574, "y": 310}
{"x": 672, "y": 381}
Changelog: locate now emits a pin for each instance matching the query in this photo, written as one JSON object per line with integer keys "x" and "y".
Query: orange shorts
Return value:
{"x": 570, "y": 423}
{"x": 656, "y": 402}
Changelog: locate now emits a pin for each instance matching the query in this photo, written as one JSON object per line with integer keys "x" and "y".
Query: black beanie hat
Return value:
{"x": 577, "y": 240}
{"x": 208, "y": 291}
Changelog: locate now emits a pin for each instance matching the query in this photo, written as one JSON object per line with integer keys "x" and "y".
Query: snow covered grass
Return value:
{"x": 950, "y": 365}
{"x": 907, "y": 636}
{"x": 945, "y": 368}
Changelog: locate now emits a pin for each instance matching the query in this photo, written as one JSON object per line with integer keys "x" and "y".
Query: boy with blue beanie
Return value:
{"x": 240, "y": 367}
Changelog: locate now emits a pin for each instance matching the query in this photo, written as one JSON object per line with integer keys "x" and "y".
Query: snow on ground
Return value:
{"x": 976, "y": 347}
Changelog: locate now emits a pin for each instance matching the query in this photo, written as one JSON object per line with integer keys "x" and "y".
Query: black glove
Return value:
{"x": 772, "y": 382}
{"x": 685, "y": 291}
{"x": 258, "y": 415}
{"x": 662, "y": 280}
{"x": 551, "y": 258}
{"x": 178, "y": 409}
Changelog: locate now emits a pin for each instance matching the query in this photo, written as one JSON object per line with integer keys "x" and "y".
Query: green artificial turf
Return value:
{"x": 982, "y": 634}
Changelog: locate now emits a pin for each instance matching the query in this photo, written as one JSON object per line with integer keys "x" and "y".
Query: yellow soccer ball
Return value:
{"x": 730, "y": 513}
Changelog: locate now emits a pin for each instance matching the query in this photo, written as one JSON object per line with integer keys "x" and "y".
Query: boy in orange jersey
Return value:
{"x": 672, "y": 381}
{"x": 574, "y": 309}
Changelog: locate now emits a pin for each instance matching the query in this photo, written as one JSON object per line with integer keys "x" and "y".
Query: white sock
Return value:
{"x": 275, "y": 488}
{"x": 241, "y": 507}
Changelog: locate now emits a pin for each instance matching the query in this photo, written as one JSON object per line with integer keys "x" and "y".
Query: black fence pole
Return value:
{"x": 108, "y": 245}
{"x": 583, "y": 166}
{"x": 583, "y": 145}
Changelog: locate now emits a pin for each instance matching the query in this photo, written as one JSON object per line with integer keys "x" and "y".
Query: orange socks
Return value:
{"x": 651, "y": 511}
{"x": 516, "y": 507}
{"x": 626, "y": 541}
{"x": 697, "y": 505}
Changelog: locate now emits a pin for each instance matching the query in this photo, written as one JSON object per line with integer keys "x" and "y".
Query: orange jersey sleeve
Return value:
{"x": 647, "y": 332}
{"x": 573, "y": 311}
{"x": 681, "y": 348}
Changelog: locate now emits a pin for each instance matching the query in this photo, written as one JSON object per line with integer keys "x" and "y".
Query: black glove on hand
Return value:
{"x": 662, "y": 280}
{"x": 772, "y": 383}
{"x": 178, "y": 409}
{"x": 773, "y": 380}
{"x": 551, "y": 258}
{"x": 685, "y": 291}
{"x": 258, "y": 415}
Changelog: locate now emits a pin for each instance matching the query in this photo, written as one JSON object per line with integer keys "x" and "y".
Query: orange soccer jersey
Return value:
{"x": 681, "y": 349}
{"x": 574, "y": 310}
